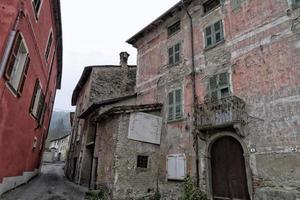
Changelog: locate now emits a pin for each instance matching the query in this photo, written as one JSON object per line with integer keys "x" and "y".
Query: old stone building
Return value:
{"x": 216, "y": 96}
{"x": 98, "y": 86}
{"x": 227, "y": 74}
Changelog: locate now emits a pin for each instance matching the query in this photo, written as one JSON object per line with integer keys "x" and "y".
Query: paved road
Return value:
{"x": 50, "y": 185}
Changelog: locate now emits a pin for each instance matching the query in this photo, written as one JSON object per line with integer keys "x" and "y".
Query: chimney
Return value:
{"x": 125, "y": 71}
{"x": 124, "y": 58}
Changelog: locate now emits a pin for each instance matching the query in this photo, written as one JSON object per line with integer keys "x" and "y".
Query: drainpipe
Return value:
{"x": 10, "y": 42}
{"x": 194, "y": 92}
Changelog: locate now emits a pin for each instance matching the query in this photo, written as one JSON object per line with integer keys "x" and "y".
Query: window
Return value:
{"x": 142, "y": 162}
{"x": 17, "y": 65}
{"x": 210, "y": 5}
{"x": 214, "y": 34}
{"x": 219, "y": 86}
{"x": 174, "y": 54}
{"x": 174, "y": 28}
{"x": 36, "y": 5}
{"x": 236, "y": 4}
{"x": 37, "y": 102}
{"x": 296, "y": 1}
{"x": 175, "y": 105}
{"x": 48, "y": 47}
{"x": 176, "y": 167}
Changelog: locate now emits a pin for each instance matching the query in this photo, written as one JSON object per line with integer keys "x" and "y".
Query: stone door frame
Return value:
{"x": 209, "y": 145}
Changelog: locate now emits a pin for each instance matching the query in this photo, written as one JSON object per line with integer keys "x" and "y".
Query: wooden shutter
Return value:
{"x": 40, "y": 106}
{"x": 176, "y": 167}
{"x": 24, "y": 75}
{"x": 180, "y": 167}
{"x": 178, "y": 104}
{"x": 208, "y": 36}
{"x": 218, "y": 33}
{"x": 36, "y": 86}
{"x": 13, "y": 56}
{"x": 171, "y": 106}
{"x": 171, "y": 55}
{"x": 177, "y": 53}
{"x": 171, "y": 163}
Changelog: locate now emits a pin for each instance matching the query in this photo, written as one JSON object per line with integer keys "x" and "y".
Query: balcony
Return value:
{"x": 222, "y": 113}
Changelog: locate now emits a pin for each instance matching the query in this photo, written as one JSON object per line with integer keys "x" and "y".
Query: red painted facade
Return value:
{"x": 18, "y": 128}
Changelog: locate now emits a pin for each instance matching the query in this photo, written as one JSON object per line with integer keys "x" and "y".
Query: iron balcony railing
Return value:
{"x": 220, "y": 113}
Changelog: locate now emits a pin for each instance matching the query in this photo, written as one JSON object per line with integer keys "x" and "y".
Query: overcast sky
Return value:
{"x": 94, "y": 33}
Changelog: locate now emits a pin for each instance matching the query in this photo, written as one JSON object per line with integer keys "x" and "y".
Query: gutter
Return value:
{"x": 195, "y": 99}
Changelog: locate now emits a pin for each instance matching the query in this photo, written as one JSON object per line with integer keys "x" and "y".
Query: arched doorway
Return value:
{"x": 228, "y": 172}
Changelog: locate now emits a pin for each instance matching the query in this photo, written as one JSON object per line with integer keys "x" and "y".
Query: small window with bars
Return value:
{"x": 219, "y": 86}
{"x": 174, "y": 54}
{"x": 214, "y": 34}
{"x": 175, "y": 105}
{"x": 210, "y": 5}
{"x": 142, "y": 161}
{"x": 174, "y": 28}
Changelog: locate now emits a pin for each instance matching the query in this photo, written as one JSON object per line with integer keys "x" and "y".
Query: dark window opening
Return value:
{"x": 142, "y": 161}
{"x": 296, "y": 1}
{"x": 210, "y": 5}
{"x": 37, "y": 5}
{"x": 174, "y": 28}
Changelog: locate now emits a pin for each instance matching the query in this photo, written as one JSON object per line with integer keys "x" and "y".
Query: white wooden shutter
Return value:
{"x": 171, "y": 167}
{"x": 176, "y": 167}
{"x": 180, "y": 167}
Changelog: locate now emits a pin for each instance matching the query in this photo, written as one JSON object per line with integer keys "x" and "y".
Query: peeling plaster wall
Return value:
{"x": 261, "y": 52}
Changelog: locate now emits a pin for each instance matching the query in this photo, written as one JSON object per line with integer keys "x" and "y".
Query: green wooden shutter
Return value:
{"x": 178, "y": 104}
{"x": 177, "y": 53}
{"x": 171, "y": 106}
{"x": 208, "y": 36}
{"x": 171, "y": 55}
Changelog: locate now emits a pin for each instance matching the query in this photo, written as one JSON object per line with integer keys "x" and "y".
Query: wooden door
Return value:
{"x": 228, "y": 170}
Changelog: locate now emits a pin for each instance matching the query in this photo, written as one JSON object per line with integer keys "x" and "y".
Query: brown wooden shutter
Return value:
{"x": 13, "y": 55}
{"x": 24, "y": 75}
{"x": 34, "y": 95}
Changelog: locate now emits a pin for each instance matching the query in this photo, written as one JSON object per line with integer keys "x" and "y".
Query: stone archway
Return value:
{"x": 229, "y": 175}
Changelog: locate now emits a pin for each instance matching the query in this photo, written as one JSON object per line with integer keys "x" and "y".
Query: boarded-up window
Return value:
{"x": 175, "y": 105}
{"x": 17, "y": 65}
{"x": 176, "y": 167}
{"x": 219, "y": 86}
{"x": 174, "y": 28}
{"x": 214, "y": 34}
{"x": 174, "y": 54}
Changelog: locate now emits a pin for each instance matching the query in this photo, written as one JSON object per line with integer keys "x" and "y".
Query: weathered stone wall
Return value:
{"x": 105, "y": 148}
{"x": 261, "y": 53}
{"x": 107, "y": 83}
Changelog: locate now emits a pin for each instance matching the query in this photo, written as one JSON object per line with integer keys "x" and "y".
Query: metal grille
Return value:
{"x": 142, "y": 161}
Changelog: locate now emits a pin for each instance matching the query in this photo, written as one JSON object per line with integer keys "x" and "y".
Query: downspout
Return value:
{"x": 10, "y": 42}
{"x": 195, "y": 99}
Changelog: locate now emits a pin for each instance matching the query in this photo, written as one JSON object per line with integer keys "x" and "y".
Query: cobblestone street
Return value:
{"x": 50, "y": 185}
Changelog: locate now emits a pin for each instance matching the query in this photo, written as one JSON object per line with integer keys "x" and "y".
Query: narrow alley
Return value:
{"x": 49, "y": 185}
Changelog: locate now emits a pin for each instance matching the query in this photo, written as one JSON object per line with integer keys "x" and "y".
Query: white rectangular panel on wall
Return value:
{"x": 145, "y": 127}
{"x": 176, "y": 166}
